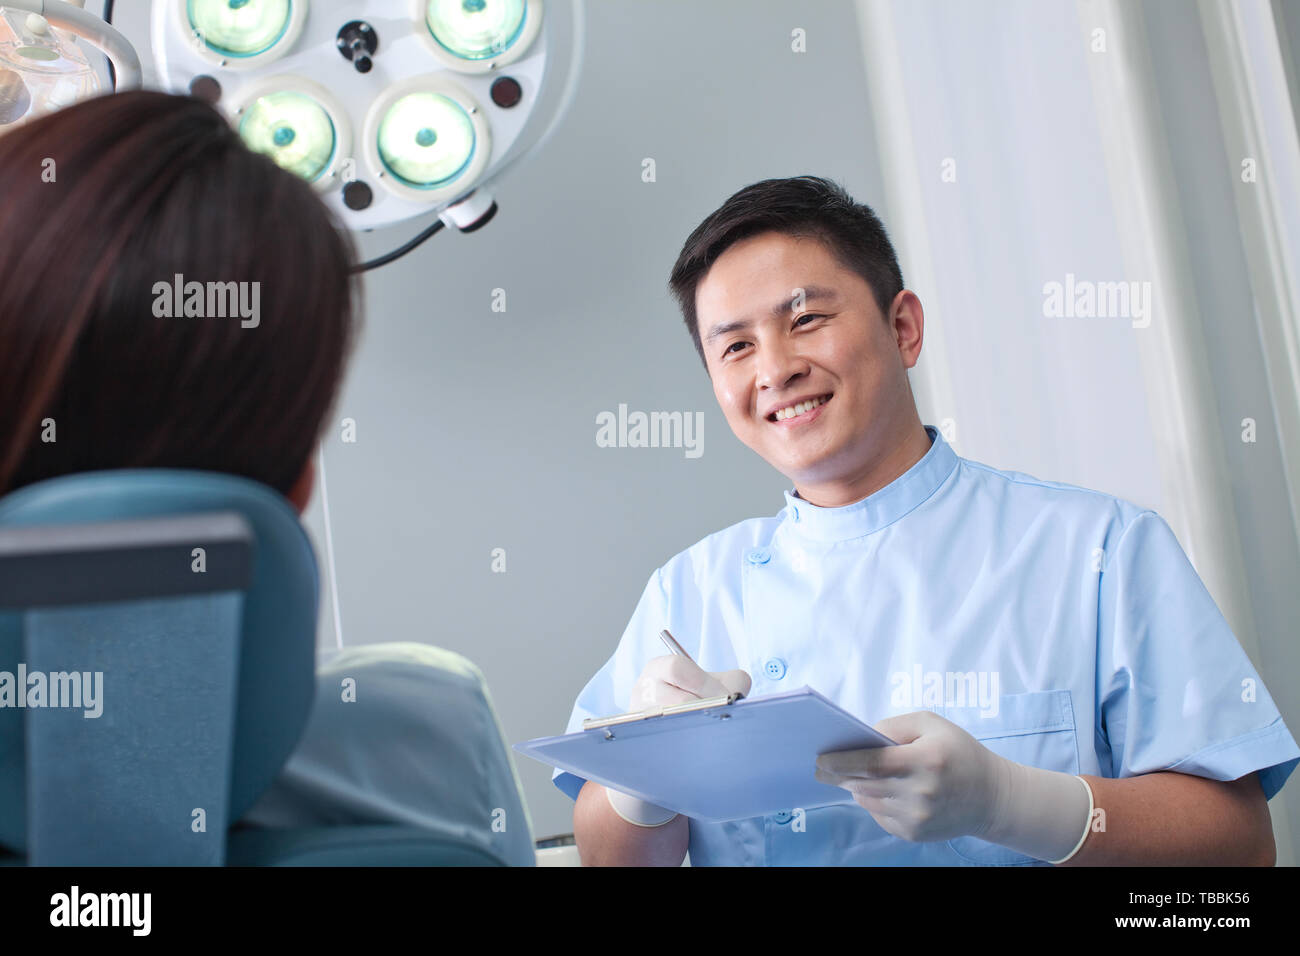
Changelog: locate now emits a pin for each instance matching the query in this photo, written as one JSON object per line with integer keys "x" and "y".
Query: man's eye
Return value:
{"x": 809, "y": 316}
{"x": 732, "y": 346}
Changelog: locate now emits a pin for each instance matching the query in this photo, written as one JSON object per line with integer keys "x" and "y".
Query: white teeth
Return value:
{"x": 791, "y": 411}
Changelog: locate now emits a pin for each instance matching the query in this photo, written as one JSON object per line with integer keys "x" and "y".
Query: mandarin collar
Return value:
{"x": 877, "y": 510}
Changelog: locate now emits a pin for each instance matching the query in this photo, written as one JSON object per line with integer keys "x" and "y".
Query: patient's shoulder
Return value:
{"x": 399, "y": 667}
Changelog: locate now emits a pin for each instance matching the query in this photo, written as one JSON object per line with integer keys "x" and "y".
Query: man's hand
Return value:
{"x": 666, "y": 681}
{"x": 673, "y": 679}
{"x": 940, "y": 783}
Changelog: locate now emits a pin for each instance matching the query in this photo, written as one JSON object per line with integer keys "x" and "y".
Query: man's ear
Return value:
{"x": 300, "y": 494}
{"x": 908, "y": 325}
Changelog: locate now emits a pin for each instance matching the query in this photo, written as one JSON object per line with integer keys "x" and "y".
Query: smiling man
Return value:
{"x": 1128, "y": 726}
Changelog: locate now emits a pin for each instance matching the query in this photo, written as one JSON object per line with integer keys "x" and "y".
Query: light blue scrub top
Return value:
{"x": 1064, "y": 628}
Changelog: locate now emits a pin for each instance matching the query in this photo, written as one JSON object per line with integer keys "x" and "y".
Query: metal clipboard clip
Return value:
{"x": 595, "y": 723}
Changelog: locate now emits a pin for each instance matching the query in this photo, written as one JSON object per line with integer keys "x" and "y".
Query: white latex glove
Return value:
{"x": 940, "y": 783}
{"x": 665, "y": 681}
{"x": 673, "y": 679}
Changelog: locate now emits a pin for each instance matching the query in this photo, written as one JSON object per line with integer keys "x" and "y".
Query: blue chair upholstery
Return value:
{"x": 208, "y": 672}
{"x": 352, "y": 846}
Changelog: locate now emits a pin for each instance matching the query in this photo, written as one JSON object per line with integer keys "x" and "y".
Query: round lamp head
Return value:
{"x": 475, "y": 29}
{"x": 239, "y": 28}
{"x": 426, "y": 140}
{"x": 294, "y": 130}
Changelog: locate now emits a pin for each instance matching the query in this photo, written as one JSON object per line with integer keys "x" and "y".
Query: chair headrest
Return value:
{"x": 277, "y": 650}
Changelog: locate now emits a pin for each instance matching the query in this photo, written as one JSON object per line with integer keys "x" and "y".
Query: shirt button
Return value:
{"x": 774, "y": 668}
{"x": 759, "y": 556}
{"x": 783, "y": 816}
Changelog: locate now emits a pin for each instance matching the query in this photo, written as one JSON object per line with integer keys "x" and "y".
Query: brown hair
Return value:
{"x": 804, "y": 207}
{"x": 99, "y": 203}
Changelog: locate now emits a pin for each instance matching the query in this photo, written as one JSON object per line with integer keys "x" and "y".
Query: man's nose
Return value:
{"x": 779, "y": 364}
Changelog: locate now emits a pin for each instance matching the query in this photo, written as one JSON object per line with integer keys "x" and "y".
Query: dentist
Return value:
{"x": 1129, "y": 726}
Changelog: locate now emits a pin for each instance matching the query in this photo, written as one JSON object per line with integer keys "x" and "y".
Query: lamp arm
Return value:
{"x": 75, "y": 20}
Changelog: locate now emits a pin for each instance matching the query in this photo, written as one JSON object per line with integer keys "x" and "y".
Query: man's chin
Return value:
{"x": 801, "y": 472}
{"x": 812, "y": 467}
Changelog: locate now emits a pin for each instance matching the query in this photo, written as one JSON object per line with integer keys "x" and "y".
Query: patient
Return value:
{"x": 100, "y": 202}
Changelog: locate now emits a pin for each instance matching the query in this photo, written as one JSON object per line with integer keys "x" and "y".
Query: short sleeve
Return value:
{"x": 610, "y": 690}
{"x": 1175, "y": 689}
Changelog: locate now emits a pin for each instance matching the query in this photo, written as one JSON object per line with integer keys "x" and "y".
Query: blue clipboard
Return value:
{"x": 724, "y": 758}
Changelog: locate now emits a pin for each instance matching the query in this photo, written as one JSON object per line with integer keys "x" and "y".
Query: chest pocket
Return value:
{"x": 1035, "y": 729}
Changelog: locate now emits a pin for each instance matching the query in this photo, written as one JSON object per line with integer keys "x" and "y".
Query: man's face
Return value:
{"x": 768, "y": 347}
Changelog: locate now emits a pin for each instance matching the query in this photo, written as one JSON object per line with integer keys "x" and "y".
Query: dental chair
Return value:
{"x": 194, "y": 594}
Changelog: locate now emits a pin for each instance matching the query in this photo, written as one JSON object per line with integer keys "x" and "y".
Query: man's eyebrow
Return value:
{"x": 811, "y": 293}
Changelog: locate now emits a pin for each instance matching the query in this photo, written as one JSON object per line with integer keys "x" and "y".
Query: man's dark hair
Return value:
{"x": 806, "y": 207}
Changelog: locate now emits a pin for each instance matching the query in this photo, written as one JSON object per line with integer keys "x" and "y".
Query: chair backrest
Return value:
{"x": 194, "y": 595}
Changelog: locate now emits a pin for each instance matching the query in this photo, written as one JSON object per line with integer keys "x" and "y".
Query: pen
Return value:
{"x": 681, "y": 651}
{"x": 673, "y": 645}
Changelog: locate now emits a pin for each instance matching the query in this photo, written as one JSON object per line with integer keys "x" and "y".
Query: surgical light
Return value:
{"x": 239, "y": 28}
{"x": 475, "y": 29}
{"x": 49, "y": 58}
{"x": 391, "y": 109}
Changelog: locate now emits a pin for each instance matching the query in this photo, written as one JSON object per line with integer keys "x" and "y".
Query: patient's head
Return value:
{"x": 794, "y": 298}
{"x": 102, "y": 206}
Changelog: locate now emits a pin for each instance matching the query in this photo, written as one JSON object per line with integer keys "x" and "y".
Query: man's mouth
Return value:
{"x": 799, "y": 409}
